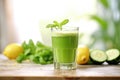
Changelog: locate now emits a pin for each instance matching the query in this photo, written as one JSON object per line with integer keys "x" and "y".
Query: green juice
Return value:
{"x": 64, "y": 46}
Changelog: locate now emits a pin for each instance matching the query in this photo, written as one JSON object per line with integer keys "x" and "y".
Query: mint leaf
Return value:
{"x": 51, "y": 25}
{"x": 56, "y": 23}
{"x": 64, "y": 22}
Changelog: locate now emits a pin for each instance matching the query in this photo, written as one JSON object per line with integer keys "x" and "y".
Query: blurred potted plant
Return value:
{"x": 109, "y": 24}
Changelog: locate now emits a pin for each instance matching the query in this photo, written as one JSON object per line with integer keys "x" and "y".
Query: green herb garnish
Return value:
{"x": 57, "y": 25}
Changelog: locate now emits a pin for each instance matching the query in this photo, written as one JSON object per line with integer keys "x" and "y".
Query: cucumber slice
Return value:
{"x": 113, "y": 56}
{"x": 98, "y": 56}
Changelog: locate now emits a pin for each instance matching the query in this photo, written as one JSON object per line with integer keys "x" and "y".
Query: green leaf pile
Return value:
{"x": 37, "y": 53}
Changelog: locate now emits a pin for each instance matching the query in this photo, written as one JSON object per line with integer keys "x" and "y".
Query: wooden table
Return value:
{"x": 11, "y": 70}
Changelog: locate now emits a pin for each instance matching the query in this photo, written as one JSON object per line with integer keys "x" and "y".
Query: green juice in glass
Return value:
{"x": 64, "y": 45}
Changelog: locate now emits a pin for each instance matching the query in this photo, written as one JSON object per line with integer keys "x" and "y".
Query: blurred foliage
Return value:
{"x": 109, "y": 24}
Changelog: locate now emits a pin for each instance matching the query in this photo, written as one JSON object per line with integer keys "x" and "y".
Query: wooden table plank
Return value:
{"x": 13, "y": 69}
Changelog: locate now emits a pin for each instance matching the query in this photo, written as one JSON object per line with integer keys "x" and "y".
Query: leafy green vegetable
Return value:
{"x": 20, "y": 58}
{"x": 57, "y": 25}
{"x": 27, "y": 51}
{"x": 42, "y": 61}
{"x": 37, "y": 53}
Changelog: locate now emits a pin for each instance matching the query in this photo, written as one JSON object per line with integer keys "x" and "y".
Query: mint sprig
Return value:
{"x": 57, "y": 25}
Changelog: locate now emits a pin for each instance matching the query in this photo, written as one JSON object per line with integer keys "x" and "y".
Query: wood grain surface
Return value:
{"x": 28, "y": 70}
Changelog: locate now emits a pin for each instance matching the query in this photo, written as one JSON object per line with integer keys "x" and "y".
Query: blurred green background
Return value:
{"x": 108, "y": 19}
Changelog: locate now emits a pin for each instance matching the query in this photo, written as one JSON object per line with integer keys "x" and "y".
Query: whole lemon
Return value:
{"x": 82, "y": 55}
{"x": 12, "y": 50}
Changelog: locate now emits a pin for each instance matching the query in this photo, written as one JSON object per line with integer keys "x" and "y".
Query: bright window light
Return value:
{"x": 31, "y": 16}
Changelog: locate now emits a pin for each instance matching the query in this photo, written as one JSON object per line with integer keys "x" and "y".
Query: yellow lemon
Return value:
{"x": 13, "y": 50}
{"x": 82, "y": 55}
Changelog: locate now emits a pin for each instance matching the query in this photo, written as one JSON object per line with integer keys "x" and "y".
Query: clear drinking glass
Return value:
{"x": 64, "y": 44}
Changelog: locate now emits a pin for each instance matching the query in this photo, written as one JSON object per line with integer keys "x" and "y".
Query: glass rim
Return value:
{"x": 66, "y": 28}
